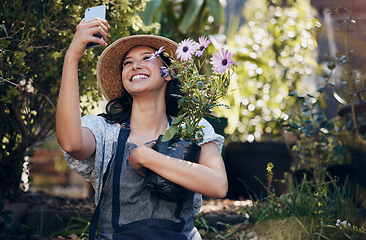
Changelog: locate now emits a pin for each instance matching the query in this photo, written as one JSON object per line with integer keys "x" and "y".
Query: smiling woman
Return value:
{"x": 141, "y": 76}
{"x": 115, "y": 149}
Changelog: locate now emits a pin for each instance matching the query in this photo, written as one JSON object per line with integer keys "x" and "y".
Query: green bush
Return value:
{"x": 34, "y": 38}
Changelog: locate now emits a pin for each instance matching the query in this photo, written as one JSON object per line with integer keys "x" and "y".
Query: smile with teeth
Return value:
{"x": 139, "y": 77}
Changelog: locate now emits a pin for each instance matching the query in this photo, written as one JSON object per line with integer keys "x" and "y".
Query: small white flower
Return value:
{"x": 23, "y": 82}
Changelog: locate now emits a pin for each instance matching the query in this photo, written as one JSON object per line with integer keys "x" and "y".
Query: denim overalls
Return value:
{"x": 151, "y": 228}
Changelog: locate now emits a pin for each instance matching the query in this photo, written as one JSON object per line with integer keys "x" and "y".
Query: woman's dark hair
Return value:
{"x": 119, "y": 110}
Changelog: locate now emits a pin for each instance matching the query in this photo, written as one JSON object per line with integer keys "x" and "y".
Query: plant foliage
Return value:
{"x": 34, "y": 37}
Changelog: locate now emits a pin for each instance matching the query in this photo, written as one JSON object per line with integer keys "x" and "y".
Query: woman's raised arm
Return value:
{"x": 77, "y": 141}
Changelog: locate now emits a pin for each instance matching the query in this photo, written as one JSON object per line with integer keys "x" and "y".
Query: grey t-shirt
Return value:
{"x": 136, "y": 202}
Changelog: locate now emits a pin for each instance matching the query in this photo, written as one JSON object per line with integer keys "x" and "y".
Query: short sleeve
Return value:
{"x": 87, "y": 167}
{"x": 210, "y": 135}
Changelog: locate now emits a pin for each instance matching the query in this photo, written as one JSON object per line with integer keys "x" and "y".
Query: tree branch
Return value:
{"x": 23, "y": 129}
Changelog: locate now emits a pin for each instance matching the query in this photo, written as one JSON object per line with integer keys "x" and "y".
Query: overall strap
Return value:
{"x": 122, "y": 138}
{"x": 179, "y": 208}
{"x": 123, "y": 135}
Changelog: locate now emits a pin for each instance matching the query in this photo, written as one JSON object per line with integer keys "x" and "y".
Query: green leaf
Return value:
{"x": 330, "y": 126}
{"x": 194, "y": 7}
{"x": 320, "y": 89}
{"x": 320, "y": 118}
{"x": 216, "y": 10}
{"x": 178, "y": 119}
{"x": 294, "y": 93}
{"x": 331, "y": 65}
{"x": 323, "y": 79}
{"x": 323, "y": 124}
{"x": 213, "y": 117}
{"x": 3, "y": 27}
{"x": 176, "y": 95}
{"x": 169, "y": 134}
{"x": 195, "y": 100}
{"x": 149, "y": 15}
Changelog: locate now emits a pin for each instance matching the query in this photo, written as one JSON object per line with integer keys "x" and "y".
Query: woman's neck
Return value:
{"x": 148, "y": 120}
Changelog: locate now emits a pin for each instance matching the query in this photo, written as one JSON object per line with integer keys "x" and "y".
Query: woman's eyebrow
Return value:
{"x": 145, "y": 53}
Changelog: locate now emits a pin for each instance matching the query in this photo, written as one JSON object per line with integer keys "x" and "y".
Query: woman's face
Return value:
{"x": 141, "y": 76}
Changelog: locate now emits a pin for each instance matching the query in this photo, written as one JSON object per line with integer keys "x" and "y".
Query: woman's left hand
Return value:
{"x": 136, "y": 157}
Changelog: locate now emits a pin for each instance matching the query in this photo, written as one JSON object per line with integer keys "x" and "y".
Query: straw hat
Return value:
{"x": 109, "y": 66}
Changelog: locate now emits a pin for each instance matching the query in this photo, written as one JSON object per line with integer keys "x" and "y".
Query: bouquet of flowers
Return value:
{"x": 200, "y": 93}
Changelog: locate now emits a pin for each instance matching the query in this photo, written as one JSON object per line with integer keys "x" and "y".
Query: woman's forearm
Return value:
{"x": 77, "y": 141}
{"x": 208, "y": 177}
{"x": 68, "y": 117}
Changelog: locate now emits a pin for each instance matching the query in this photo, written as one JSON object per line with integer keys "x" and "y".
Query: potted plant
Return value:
{"x": 274, "y": 52}
{"x": 317, "y": 148}
{"x": 345, "y": 133}
{"x": 352, "y": 96}
{"x": 199, "y": 95}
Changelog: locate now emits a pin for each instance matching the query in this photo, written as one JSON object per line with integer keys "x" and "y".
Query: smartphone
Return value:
{"x": 91, "y": 13}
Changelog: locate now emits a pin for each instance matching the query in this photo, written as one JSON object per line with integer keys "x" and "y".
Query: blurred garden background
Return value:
{"x": 295, "y": 148}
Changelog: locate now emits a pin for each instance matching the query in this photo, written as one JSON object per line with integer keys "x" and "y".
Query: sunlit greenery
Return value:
{"x": 274, "y": 51}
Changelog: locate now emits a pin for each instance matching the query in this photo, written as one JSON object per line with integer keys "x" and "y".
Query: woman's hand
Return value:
{"x": 84, "y": 35}
{"x": 136, "y": 156}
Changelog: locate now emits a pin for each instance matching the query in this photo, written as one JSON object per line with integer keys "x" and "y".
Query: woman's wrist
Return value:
{"x": 145, "y": 154}
{"x": 71, "y": 57}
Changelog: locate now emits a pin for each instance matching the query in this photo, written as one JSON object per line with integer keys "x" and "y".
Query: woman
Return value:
{"x": 139, "y": 96}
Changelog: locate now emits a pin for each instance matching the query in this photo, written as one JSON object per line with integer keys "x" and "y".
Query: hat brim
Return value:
{"x": 109, "y": 66}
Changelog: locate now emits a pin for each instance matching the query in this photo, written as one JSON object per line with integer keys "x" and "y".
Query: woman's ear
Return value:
{"x": 164, "y": 71}
{"x": 168, "y": 77}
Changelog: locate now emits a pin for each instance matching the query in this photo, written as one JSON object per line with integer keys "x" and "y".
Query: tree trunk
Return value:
{"x": 10, "y": 176}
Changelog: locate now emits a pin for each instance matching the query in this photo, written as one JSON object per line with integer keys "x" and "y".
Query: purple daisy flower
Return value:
{"x": 221, "y": 61}
{"x": 156, "y": 54}
{"x": 164, "y": 71}
{"x": 185, "y": 49}
{"x": 203, "y": 44}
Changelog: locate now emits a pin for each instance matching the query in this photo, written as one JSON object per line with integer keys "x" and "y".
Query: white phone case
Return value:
{"x": 91, "y": 13}
{"x": 95, "y": 12}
